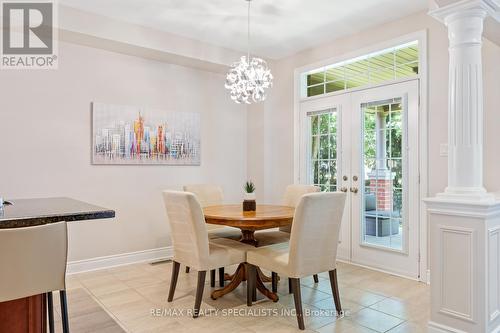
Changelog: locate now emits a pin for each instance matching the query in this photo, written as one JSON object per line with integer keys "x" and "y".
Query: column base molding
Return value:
{"x": 467, "y": 195}
{"x": 433, "y": 327}
{"x": 462, "y": 205}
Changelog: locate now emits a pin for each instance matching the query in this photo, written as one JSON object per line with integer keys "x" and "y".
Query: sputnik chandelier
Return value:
{"x": 249, "y": 78}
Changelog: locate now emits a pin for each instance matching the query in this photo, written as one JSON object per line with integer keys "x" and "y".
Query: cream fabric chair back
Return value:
{"x": 315, "y": 233}
{"x": 293, "y": 193}
{"x": 32, "y": 260}
{"x": 207, "y": 195}
{"x": 188, "y": 227}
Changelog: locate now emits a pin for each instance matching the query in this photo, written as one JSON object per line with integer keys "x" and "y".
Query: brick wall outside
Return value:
{"x": 383, "y": 190}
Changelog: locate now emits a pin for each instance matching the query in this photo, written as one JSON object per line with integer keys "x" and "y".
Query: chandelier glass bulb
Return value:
{"x": 247, "y": 80}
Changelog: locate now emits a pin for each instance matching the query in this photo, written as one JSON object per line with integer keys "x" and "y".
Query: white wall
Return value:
{"x": 491, "y": 72}
{"x": 45, "y": 131}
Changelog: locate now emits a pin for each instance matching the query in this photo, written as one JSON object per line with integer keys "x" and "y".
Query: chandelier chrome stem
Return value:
{"x": 248, "y": 30}
{"x": 249, "y": 78}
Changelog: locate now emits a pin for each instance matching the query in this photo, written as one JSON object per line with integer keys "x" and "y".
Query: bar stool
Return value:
{"x": 33, "y": 261}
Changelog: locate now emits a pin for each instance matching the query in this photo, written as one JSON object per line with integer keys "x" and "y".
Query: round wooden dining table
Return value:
{"x": 264, "y": 217}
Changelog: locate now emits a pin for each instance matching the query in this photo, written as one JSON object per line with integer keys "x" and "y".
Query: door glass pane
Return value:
{"x": 324, "y": 124}
{"x": 314, "y": 147}
{"x": 314, "y": 125}
{"x": 383, "y": 174}
{"x": 324, "y": 147}
{"x": 323, "y": 153}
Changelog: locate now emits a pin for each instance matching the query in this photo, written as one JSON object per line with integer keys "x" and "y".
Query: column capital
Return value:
{"x": 467, "y": 8}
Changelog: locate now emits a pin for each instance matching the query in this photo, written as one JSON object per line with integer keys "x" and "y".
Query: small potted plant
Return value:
{"x": 249, "y": 203}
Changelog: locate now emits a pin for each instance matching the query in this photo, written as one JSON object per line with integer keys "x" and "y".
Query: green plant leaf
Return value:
{"x": 249, "y": 187}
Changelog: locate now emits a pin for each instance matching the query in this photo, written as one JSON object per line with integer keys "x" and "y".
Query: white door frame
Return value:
{"x": 421, "y": 36}
{"x": 350, "y": 135}
{"x": 404, "y": 261}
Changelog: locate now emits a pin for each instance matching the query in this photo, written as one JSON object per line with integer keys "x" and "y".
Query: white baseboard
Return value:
{"x": 346, "y": 261}
{"x": 93, "y": 264}
{"x": 438, "y": 328}
{"x": 428, "y": 277}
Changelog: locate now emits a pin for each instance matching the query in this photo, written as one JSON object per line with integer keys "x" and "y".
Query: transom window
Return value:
{"x": 372, "y": 69}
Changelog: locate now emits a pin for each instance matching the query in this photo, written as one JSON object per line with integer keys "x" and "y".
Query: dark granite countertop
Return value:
{"x": 32, "y": 212}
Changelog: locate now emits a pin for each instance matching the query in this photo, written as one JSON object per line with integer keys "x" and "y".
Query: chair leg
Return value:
{"x": 64, "y": 311}
{"x": 50, "y": 310}
{"x": 251, "y": 283}
{"x": 316, "y": 278}
{"x": 290, "y": 286}
{"x": 298, "y": 302}
{"x": 173, "y": 280}
{"x": 187, "y": 269}
{"x": 335, "y": 290}
{"x": 212, "y": 278}
{"x": 221, "y": 277}
{"x": 274, "y": 282}
{"x": 199, "y": 293}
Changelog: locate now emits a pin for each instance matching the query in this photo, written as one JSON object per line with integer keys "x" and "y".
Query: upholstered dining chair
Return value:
{"x": 212, "y": 195}
{"x": 33, "y": 261}
{"x": 192, "y": 247}
{"x": 316, "y": 221}
{"x": 292, "y": 196}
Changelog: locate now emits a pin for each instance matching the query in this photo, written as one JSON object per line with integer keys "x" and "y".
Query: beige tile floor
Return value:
{"x": 373, "y": 301}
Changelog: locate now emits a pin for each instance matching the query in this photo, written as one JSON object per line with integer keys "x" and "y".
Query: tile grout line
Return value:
{"x": 95, "y": 298}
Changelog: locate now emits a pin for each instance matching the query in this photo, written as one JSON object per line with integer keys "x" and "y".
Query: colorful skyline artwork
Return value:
{"x": 134, "y": 135}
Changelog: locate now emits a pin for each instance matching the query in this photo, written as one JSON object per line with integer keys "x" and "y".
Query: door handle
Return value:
{"x": 343, "y": 189}
{"x": 354, "y": 190}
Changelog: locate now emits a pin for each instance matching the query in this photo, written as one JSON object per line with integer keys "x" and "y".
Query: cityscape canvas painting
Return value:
{"x": 134, "y": 135}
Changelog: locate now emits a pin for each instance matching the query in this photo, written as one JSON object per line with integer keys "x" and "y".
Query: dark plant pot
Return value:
{"x": 249, "y": 205}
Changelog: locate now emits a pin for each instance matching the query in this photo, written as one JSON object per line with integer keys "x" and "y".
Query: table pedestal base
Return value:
{"x": 263, "y": 277}
{"x": 241, "y": 275}
{"x": 248, "y": 237}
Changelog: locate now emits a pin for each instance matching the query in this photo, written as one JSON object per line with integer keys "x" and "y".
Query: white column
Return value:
{"x": 464, "y": 221}
{"x": 464, "y": 21}
{"x": 465, "y": 114}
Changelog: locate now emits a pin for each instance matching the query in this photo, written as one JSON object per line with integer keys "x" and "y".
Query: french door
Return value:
{"x": 365, "y": 143}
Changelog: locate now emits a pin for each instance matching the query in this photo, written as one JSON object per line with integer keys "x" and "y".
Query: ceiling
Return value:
{"x": 279, "y": 28}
